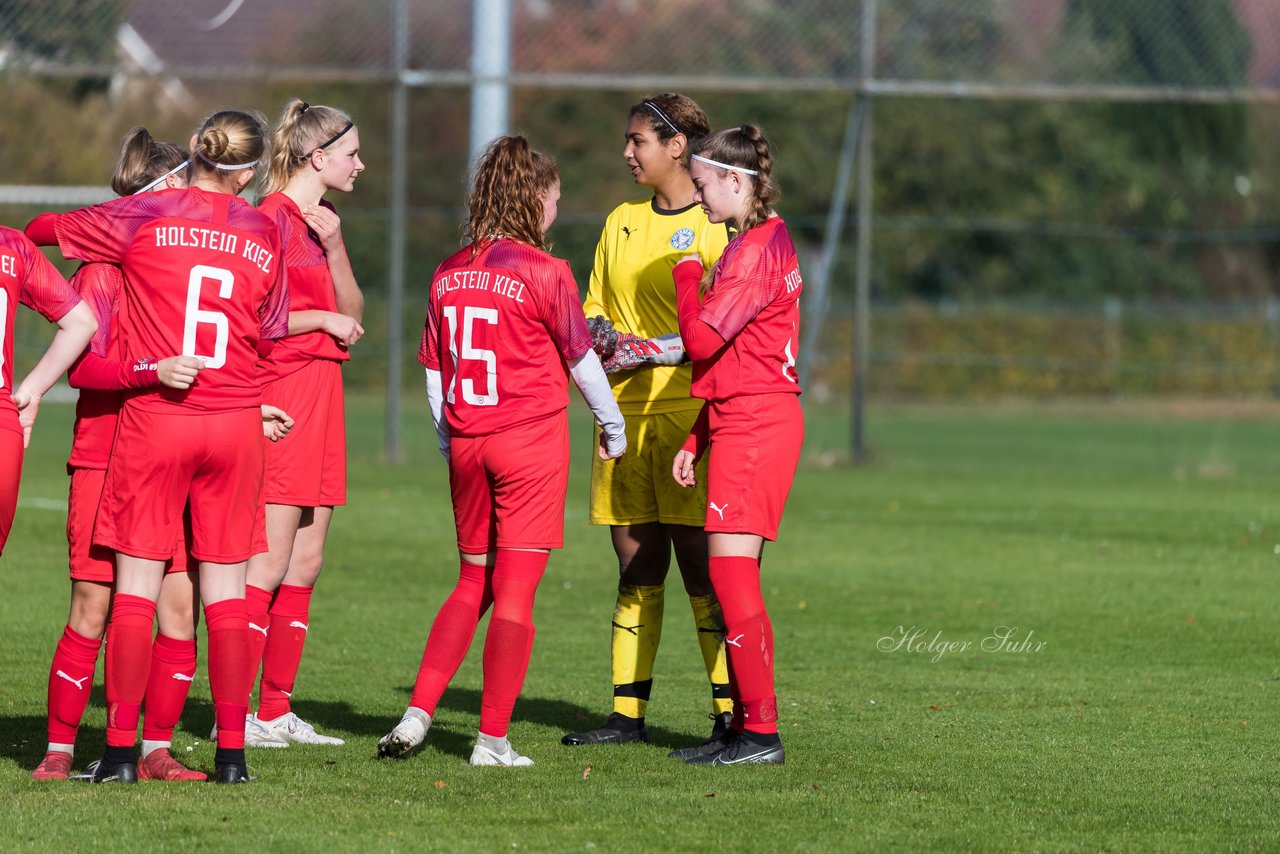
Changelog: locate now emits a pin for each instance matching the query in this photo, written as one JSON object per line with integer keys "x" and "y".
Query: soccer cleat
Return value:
{"x": 718, "y": 741}
{"x": 509, "y": 759}
{"x": 159, "y": 764}
{"x": 407, "y": 735}
{"x": 255, "y": 734}
{"x": 231, "y": 772}
{"x": 258, "y": 734}
{"x": 292, "y": 728}
{"x": 743, "y": 749}
{"x": 617, "y": 729}
{"x": 101, "y": 771}
{"x": 56, "y": 765}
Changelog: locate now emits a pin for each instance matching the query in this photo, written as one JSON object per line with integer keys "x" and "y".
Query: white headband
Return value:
{"x": 183, "y": 165}
{"x": 662, "y": 116}
{"x": 224, "y": 167}
{"x": 710, "y": 162}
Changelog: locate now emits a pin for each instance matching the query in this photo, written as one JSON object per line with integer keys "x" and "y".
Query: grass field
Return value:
{"x": 1131, "y": 556}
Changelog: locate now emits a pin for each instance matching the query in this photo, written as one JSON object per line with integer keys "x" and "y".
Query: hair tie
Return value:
{"x": 662, "y": 116}
{"x": 710, "y": 162}
{"x": 305, "y": 106}
{"x": 236, "y": 167}
{"x": 331, "y": 140}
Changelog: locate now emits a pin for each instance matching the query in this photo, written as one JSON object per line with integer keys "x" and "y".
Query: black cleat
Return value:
{"x": 103, "y": 771}
{"x": 718, "y": 741}
{"x": 231, "y": 773}
{"x": 744, "y": 749}
{"x": 618, "y": 729}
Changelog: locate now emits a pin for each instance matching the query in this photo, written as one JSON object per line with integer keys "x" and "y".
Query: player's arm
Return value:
{"x": 682, "y": 468}
{"x": 435, "y": 400}
{"x": 589, "y": 377}
{"x": 324, "y": 221}
{"x": 345, "y": 328}
{"x": 700, "y": 340}
{"x": 75, "y": 328}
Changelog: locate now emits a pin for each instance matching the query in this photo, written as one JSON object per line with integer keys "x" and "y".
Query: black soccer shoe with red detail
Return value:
{"x": 719, "y": 739}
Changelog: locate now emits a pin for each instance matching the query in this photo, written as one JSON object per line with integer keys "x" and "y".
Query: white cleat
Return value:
{"x": 255, "y": 734}
{"x": 483, "y": 755}
{"x": 291, "y": 728}
{"x": 407, "y": 735}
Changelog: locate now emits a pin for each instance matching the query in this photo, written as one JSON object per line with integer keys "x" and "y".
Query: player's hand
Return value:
{"x": 326, "y": 225}
{"x": 687, "y": 266}
{"x": 276, "y": 423}
{"x": 682, "y": 469}
{"x": 347, "y": 330}
{"x": 612, "y": 449}
{"x": 28, "y": 407}
{"x": 179, "y": 371}
{"x": 663, "y": 350}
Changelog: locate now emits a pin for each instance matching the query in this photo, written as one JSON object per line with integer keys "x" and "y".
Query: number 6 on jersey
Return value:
{"x": 196, "y": 315}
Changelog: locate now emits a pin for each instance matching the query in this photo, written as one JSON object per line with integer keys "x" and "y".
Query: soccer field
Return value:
{"x": 1015, "y": 630}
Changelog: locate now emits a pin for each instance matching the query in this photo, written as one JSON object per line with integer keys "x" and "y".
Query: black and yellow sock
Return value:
{"x": 637, "y": 628}
{"x": 710, "y": 623}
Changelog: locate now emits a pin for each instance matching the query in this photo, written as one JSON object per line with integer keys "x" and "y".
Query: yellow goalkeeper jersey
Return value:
{"x": 631, "y": 286}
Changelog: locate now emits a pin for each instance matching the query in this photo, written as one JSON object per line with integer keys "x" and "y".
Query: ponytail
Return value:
{"x": 142, "y": 160}
{"x": 302, "y": 129}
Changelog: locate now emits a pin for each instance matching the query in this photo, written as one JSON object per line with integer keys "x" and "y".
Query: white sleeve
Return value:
{"x": 435, "y": 399}
{"x": 590, "y": 379}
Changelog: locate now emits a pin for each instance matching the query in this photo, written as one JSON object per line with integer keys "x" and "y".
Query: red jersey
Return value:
{"x": 99, "y": 373}
{"x": 508, "y": 321}
{"x": 754, "y": 303}
{"x": 203, "y": 277}
{"x": 26, "y": 276}
{"x": 310, "y": 289}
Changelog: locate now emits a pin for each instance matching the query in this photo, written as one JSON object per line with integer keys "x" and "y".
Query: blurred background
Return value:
{"x": 994, "y": 199}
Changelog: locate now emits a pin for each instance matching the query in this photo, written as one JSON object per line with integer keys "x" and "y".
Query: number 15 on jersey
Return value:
{"x": 470, "y": 353}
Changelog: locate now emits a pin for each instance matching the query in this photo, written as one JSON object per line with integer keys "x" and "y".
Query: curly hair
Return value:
{"x": 671, "y": 113}
{"x": 511, "y": 180}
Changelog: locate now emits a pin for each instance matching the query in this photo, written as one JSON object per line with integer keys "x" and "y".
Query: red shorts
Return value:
{"x": 754, "y": 449}
{"x": 508, "y": 488}
{"x": 91, "y": 562}
{"x": 11, "y": 452}
{"x": 308, "y": 468}
{"x": 161, "y": 463}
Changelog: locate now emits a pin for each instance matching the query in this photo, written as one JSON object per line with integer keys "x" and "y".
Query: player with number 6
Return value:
{"x": 204, "y": 276}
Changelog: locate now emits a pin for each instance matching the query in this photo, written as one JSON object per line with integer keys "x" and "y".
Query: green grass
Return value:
{"x": 1141, "y": 551}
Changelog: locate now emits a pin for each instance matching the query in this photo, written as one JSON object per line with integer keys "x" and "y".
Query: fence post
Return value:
{"x": 862, "y": 284}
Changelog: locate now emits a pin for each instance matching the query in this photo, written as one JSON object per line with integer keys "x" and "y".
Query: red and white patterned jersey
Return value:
{"x": 26, "y": 277}
{"x": 754, "y": 303}
{"x": 97, "y": 411}
{"x": 500, "y": 329}
{"x": 310, "y": 289}
{"x": 203, "y": 276}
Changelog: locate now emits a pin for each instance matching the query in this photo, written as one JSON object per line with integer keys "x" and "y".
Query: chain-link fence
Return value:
{"x": 1025, "y": 160}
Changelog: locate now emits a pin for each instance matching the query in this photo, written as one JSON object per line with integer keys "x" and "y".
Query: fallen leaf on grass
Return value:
{"x": 937, "y": 708}
{"x": 586, "y": 772}
{"x": 709, "y": 795}
{"x": 439, "y": 784}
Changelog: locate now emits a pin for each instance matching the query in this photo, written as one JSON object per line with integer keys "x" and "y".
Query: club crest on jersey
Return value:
{"x": 682, "y": 239}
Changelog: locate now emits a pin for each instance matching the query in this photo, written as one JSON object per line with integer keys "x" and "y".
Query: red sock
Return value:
{"x": 451, "y": 634}
{"x": 748, "y": 640}
{"x": 128, "y": 660}
{"x": 290, "y": 618}
{"x": 70, "y": 681}
{"x": 173, "y": 667}
{"x": 258, "y": 605}
{"x": 228, "y": 629}
{"x": 509, "y": 642}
